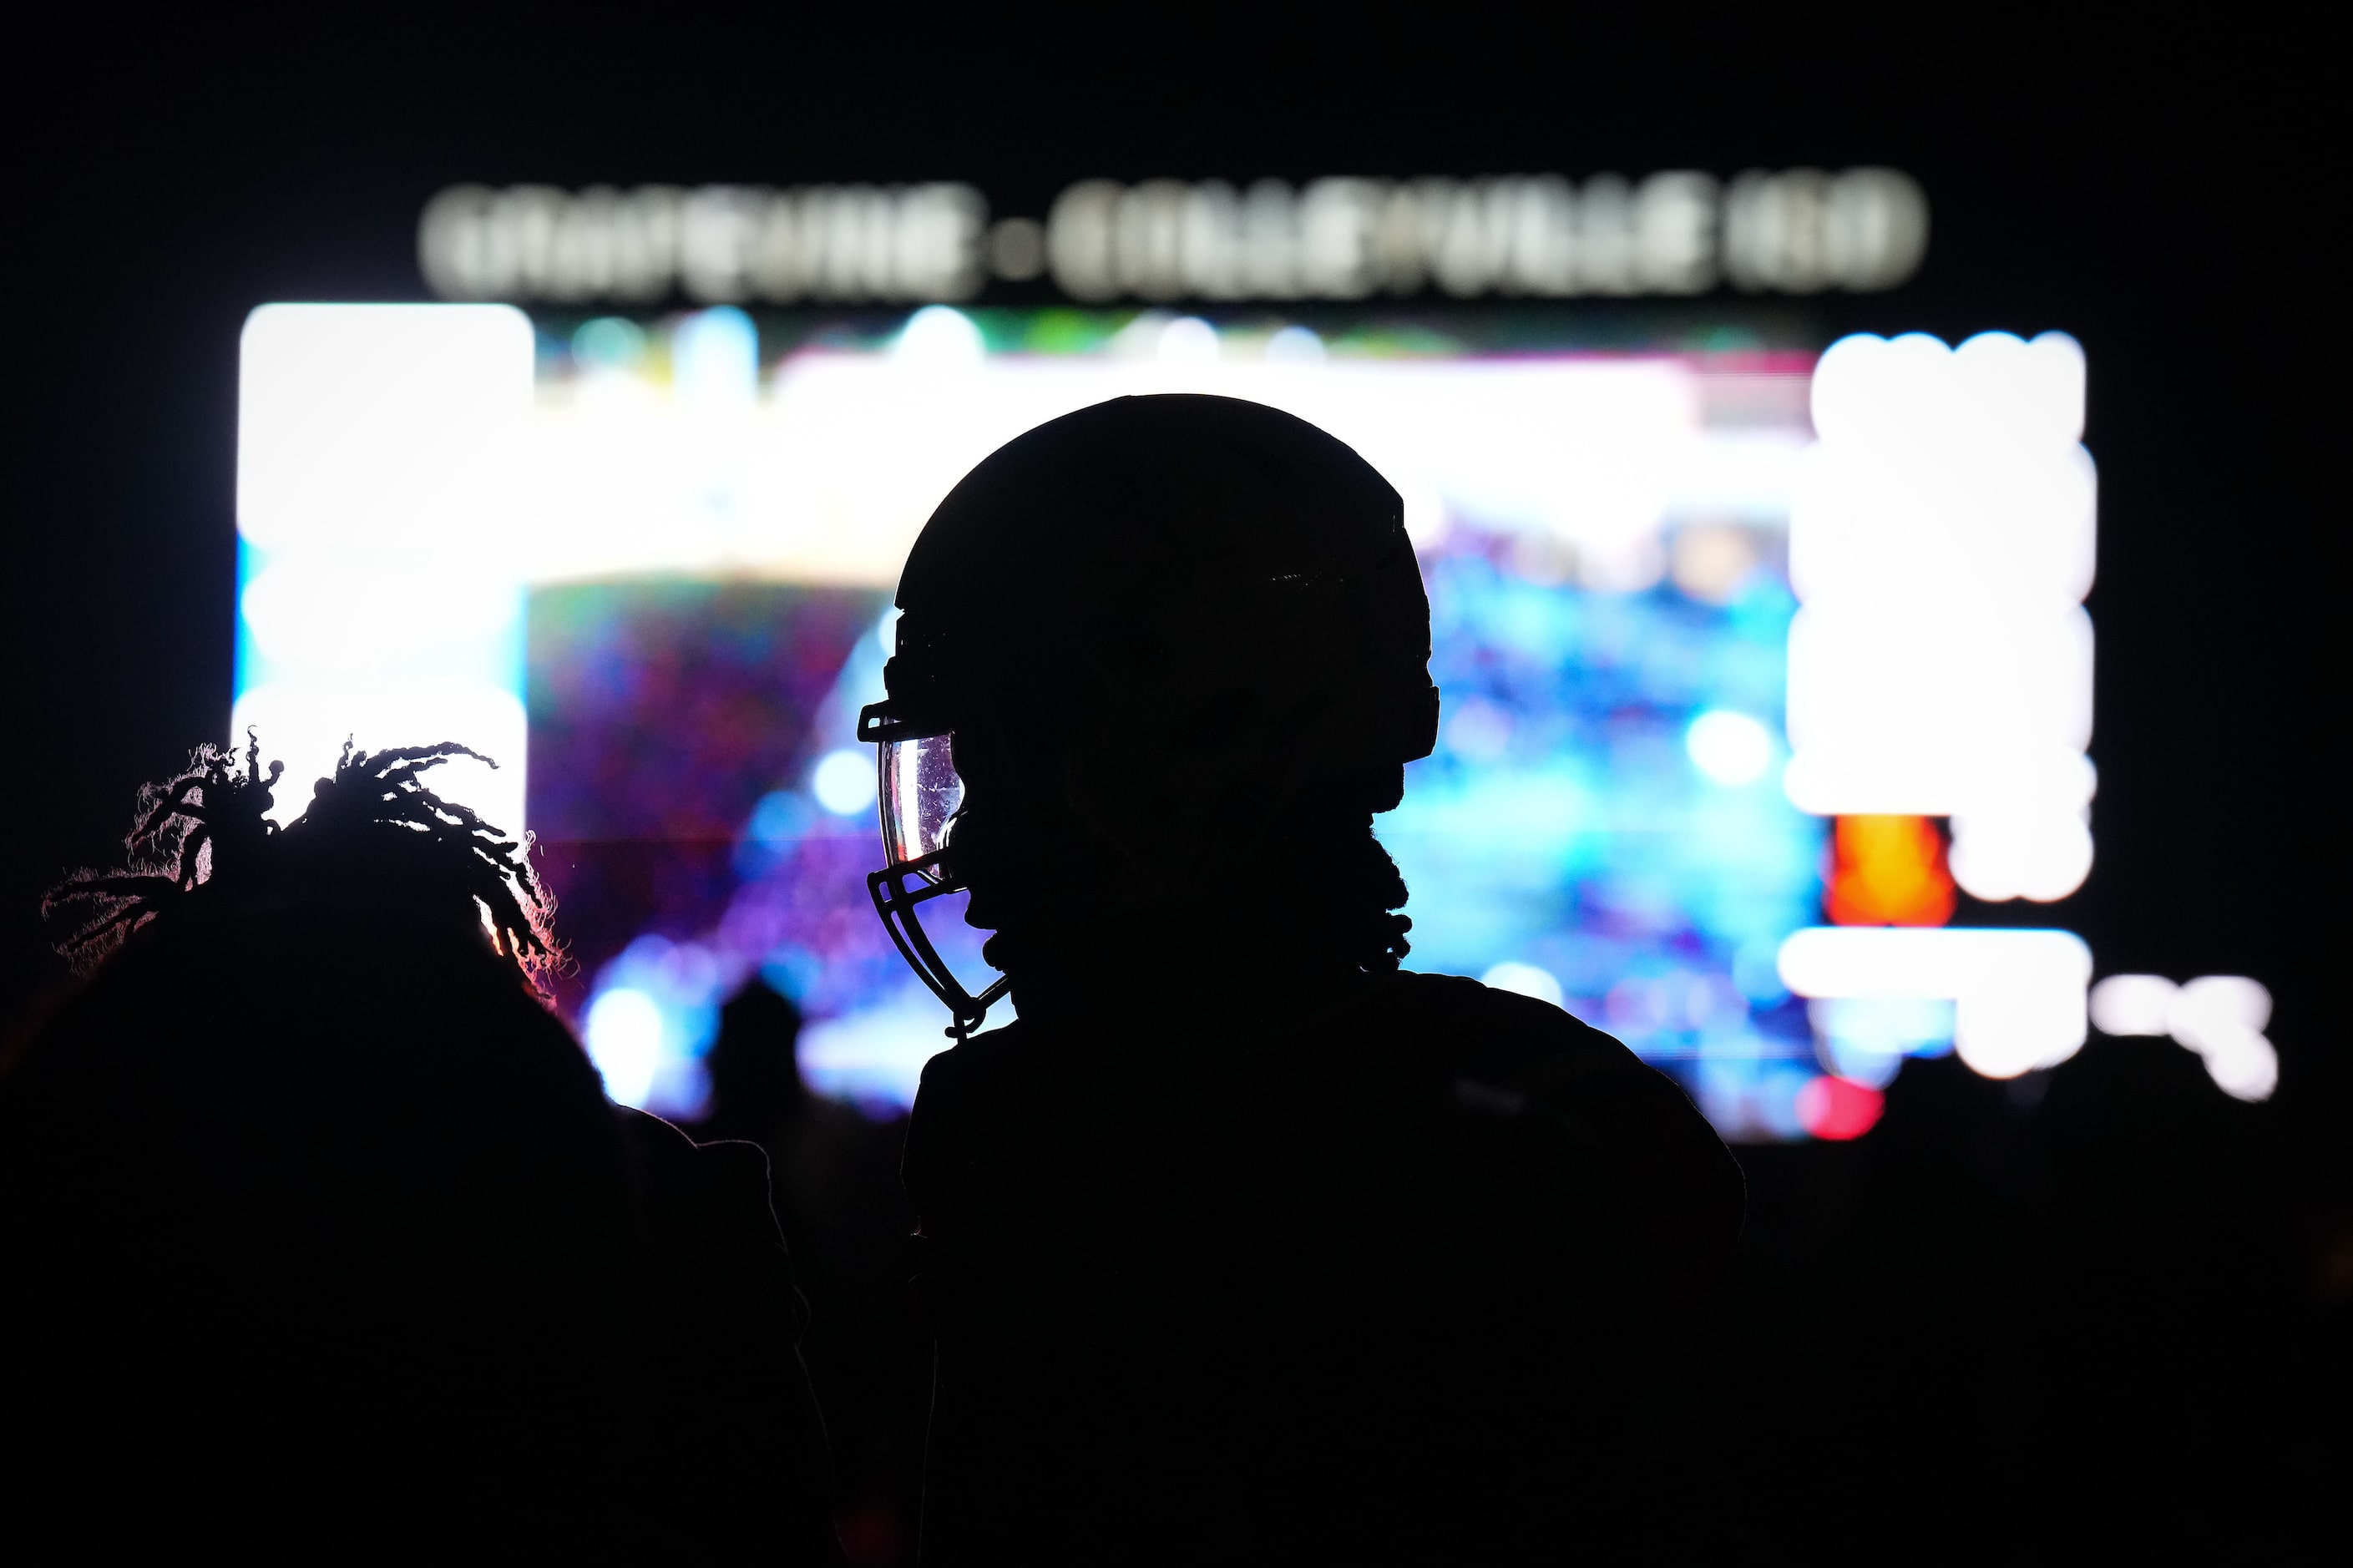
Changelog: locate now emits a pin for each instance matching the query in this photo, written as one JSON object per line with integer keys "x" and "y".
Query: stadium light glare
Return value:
{"x": 843, "y": 781}
{"x": 1189, "y": 340}
{"x": 2220, "y": 1016}
{"x": 381, "y": 591}
{"x": 1941, "y": 543}
{"x": 624, "y": 1036}
{"x": 1731, "y": 749}
{"x": 2133, "y": 1005}
{"x": 939, "y": 337}
{"x": 2018, "y": 995}
{"x": 1526, "y": 979}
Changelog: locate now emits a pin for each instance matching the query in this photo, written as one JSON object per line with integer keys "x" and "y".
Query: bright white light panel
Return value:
{"x": 382, "y": 588}
{"x": 1941, "y": 545}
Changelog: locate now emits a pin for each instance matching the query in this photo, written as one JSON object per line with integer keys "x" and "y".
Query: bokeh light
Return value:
{"x": 1733, "y": 749}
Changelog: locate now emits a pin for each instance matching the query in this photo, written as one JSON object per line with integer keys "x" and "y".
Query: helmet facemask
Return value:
{"x": 922, "y": 798}
{"x": 1101, "y": 852}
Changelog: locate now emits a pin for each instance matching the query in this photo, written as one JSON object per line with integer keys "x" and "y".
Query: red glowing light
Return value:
{"x": 1839, "y": 1108}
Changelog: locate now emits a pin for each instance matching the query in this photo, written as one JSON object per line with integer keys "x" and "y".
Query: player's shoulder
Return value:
{"x": 666, "y": 1154}
{"x": 975, "y": 1070}
{"x": 975, "y": 1056}
{"x": 1498, "y": 1035}
{"x": 1462, "y": 1005}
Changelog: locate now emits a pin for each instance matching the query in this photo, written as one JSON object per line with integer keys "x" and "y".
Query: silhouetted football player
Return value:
{"x": 1242, "y": 1243}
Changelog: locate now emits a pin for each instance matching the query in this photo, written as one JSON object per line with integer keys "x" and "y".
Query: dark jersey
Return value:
{"x": 1400, "y": 1274}
{"x": 725, "y": 1445}
{"x": 354, "y": 1259}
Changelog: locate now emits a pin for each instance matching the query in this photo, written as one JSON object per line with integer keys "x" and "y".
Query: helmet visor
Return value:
{"x": 921, "y": 793}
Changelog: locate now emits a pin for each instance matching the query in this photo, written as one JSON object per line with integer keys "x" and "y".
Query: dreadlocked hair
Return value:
{"x": 373, "y": 829}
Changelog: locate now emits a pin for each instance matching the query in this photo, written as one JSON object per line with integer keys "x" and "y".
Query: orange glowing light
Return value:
{"x": 1889, "y": 871}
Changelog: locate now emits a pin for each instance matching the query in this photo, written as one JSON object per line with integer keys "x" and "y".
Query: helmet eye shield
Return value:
{"x": 921, "y": 793}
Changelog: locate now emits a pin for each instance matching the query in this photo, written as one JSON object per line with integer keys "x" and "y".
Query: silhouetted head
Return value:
{"x": 755, "y": 1077}
{"x": 305, "y": 1182}
{"x": 1180, "y": 647}
{"x": 374, "y": 837}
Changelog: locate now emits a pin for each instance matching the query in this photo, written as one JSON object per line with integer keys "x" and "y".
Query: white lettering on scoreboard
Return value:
{"x": 1679, "y": 231}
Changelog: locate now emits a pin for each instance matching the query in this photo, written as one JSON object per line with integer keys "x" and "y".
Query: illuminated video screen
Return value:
{"x": 1739, "y": 681}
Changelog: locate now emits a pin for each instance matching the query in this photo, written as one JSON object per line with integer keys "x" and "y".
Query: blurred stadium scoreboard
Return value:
{"x": 1677, "y": 232}
{"x": 1763, "y": 658}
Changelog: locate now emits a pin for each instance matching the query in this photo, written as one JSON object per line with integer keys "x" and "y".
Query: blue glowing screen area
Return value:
{"x": 1604, "y": 540}
{"x": 1602, "y": 822}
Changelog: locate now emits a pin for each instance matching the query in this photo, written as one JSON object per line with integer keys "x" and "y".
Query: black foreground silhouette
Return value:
{"x": 846, "y": 1217}
{"x": 1241, "y": 1244}
{"x": 322, "y": 1236}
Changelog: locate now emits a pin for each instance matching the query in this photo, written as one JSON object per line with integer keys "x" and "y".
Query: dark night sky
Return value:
{"x": 2157, "y": 198}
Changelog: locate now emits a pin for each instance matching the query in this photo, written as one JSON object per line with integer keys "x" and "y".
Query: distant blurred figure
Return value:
{"x": 849, "y": 1223}
{"x": 322, "y": 1236}
{"x": 755, "y": 1067}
